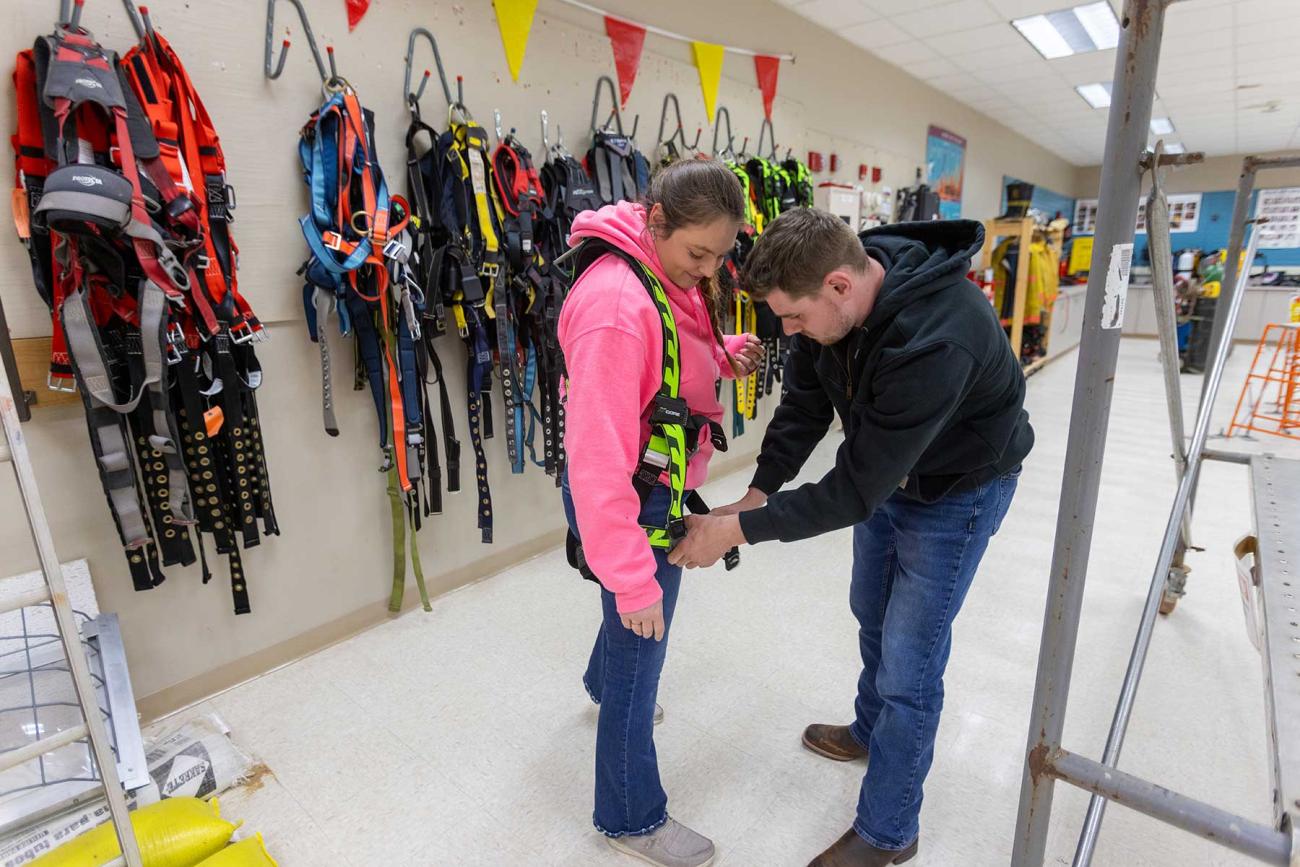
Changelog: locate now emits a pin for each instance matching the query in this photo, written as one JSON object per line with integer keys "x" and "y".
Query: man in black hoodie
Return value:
{"x": 888, "y": 333}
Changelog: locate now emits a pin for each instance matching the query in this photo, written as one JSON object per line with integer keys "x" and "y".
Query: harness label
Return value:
{"x": 88, "y": 82}
{"x": 88, "y": 180}
{"x": 477, "y": 173}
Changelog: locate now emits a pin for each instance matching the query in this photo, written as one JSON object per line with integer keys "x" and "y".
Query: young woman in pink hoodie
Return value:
{"x": 612, "y": 338}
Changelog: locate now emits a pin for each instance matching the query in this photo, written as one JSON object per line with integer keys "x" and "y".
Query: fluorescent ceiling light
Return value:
{"x": 1096, "y": 95}
{"x": 1090, "y": 27}
{"x": 1043, "y": 36}
{"x": 1099, "y": 20}
{"x": 1161, "y": 126}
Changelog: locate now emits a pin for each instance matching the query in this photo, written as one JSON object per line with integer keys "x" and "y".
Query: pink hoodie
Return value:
{"x": 613, "y": 349}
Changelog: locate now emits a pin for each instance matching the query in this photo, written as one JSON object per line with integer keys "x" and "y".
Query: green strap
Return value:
{"x": 667, "y": 440}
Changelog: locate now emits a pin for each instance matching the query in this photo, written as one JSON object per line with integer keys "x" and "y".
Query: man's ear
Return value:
{"x": 838, "y": 281}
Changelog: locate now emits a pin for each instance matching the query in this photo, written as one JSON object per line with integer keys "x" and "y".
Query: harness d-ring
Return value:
{"x": 364, "y": 228}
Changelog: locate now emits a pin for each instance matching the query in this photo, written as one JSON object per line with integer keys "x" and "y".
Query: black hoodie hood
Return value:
{"x": 920, "y": 259}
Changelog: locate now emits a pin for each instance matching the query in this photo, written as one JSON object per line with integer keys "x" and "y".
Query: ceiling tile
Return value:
{"x": 898, "y": 7}
{"x": 1010, "y": 9}
{"x": 834, "y": 14}
{"x": 932, "y": 69}
{"x": 905, "y": 53}
{"x": 1000, "y": 59}
{"x": 954, "y": 83}
{"x": 951, "y": 17}
{"x": 1086, "y": 68}
{"x": 1281, "y": 28}
{"x": 1196, "y": 20}
{"x": 875, "y": 34}
{"x": 1262, "y": 12}
{"x": 982, "y": 40}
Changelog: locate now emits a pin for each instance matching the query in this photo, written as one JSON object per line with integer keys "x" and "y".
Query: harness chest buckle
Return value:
{"x": 332, "y": 240}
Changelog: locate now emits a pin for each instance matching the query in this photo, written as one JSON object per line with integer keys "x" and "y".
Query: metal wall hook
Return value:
{"x": 496, "y": 124}
{"x": 546, "y": 132}
{"x": 134, "y": 17}
{"x": 284, "y": 53}
{"x": 437, "y": 58}
{"x": 717, "y": 125}
{"x": 771, "y": 139}
{"x": 679, "y": 134}
{"x": 615, "y": 115}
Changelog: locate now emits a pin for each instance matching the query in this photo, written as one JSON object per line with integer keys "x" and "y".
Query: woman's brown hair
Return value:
{"x": 692, "y": 193}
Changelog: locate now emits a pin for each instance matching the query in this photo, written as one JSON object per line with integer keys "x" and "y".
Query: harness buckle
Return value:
{"x": 490, "y": 270}
{"x": 731, "y": 559}
{"x": 175, "y": 342}
{"x": 201, "y": 262}
{"x": 676, "y": 530}
{"x": 241, "y": 332}
{"x": 332, "y": 241}
{"x": 60, "y": 383}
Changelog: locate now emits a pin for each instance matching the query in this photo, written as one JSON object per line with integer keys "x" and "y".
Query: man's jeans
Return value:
{"x": 912, "y": 566}
{"x": 623, "y": 678}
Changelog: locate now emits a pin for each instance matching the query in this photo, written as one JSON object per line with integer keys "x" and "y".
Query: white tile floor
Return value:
{"x": 464, "y": 737}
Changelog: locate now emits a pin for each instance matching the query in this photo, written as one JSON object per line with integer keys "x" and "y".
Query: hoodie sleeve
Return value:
{"x": 800, "y": 422}
{"x": 892, "y": 431}
{"x": 602, "y": 438}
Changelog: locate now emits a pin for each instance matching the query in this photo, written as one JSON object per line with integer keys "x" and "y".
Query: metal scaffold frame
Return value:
{"x": 1276, "y": 505}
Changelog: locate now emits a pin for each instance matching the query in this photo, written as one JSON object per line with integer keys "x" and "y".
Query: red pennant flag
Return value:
{"x": 766, "y": 68}
{"x": 356, "y": 11}
{"x": 626, "y": 39}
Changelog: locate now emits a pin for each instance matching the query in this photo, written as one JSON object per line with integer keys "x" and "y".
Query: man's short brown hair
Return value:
{"x": 798, "y": 249}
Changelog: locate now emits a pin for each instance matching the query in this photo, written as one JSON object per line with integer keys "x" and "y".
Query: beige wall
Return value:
{"x": 329, "y": 573}
{"x": 1216, "y": 173}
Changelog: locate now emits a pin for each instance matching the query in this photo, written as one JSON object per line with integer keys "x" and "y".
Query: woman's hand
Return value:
{"x": 648, "y": 622}
{"x": 750, "y": 356}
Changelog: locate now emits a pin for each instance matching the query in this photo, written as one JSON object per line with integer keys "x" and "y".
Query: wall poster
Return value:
{"x": 945, "y": 160}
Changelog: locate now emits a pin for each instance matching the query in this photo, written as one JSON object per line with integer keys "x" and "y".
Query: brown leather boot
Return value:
{"x": 852, "y": 851}
{"x": 833, "y": 742}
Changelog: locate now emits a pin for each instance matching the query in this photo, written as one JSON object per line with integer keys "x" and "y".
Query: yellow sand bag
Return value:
{"x": 176, "y": 832}
{"x": 246, "y": 853}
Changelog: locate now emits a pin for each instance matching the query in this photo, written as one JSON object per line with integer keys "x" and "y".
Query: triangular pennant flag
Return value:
{"x": 766, "y": 69}
{"x": 708, "y": 60}
{"x": 627, "y": 39}
{"x": 515, "y": 18}
{"x": 356, "y": 11}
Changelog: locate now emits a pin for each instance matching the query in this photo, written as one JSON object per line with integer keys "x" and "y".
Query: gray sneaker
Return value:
{"x": 672, "y": 844}
{"x": 659, "y": 713}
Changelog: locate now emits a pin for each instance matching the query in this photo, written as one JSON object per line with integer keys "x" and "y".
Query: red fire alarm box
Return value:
{"x": 814, "y": 161}
{"x": 863, "y": 168}
{"x": 875, "y": 174}
{"x": 835, "y": 162}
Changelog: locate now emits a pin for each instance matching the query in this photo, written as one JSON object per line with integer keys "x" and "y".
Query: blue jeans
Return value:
{"x": 912, "y": 566}
{"x": 623, "y": 678}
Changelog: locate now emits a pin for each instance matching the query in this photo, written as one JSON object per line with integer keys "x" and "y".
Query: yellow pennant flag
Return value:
{"x": 515, "y": 18}
{"x": 708, "y": 60}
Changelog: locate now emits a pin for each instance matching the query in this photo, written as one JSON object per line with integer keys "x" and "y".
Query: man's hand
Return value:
{"x": 648, "y": 622}
{"x": 753, "y": 499}
{"x": 708, "y": 537}
{"x": 749, "y": 356}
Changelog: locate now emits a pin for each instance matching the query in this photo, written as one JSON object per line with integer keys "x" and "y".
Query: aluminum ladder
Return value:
{"x": 13, "y": 450}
